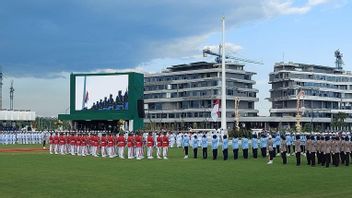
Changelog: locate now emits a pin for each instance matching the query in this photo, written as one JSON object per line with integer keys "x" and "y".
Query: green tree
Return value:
{"x": 338, "y": 120}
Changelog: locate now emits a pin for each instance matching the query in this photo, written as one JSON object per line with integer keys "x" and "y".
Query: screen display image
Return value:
{"x": 101, "y": 93}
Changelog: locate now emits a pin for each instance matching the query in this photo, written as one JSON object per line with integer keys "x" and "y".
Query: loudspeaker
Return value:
{"x": 140, "y": 108}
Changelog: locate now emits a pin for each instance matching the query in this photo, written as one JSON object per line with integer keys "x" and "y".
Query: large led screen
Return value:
{"x": 101, "y": 93}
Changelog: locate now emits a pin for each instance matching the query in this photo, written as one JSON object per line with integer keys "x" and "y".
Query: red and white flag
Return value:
{"x": 215, "y": 111}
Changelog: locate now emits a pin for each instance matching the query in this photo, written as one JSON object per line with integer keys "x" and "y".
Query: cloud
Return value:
{"x": 39, "y": 38}
{"x": 287, "y": 7}
{"x": 230, "y": 48}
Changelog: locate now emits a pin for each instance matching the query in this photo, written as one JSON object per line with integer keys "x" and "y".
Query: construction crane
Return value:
{"x": 299, "y": 111}
{"x": 207, "y": 51}
{"x": 12, "y": 90}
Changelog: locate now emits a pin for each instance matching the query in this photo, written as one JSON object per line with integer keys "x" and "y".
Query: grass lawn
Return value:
{"x": 38, "y": 174}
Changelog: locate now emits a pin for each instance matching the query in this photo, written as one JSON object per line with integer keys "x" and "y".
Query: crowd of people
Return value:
{"x": 318, "y": 148}
{"x": 108, "y": 103}
{"x": 22, "y": 137}
{"x": 323, "y": 149}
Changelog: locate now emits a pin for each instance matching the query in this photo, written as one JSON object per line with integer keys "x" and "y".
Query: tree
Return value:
{"x": 338, "y": 120}
{"x": 307, "y": 127}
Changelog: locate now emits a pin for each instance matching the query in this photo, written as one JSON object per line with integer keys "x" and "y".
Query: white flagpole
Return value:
{"x": 223, "y": 80}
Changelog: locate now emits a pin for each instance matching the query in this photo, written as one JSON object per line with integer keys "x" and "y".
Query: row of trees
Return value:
{"x": 50, "y": 123}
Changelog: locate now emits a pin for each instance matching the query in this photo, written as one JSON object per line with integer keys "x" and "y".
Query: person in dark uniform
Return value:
{"x": 271, "y": 150}
{"x": 313, "y": 150}
{"x": 297, "y": 145}
{"x": 347, "y": 150}
{"x": 307, "y": 148}
{"x": 327, "y": 152}
{"x": 319, "y": 149}
{"x": 336, "y": 151}
{"x": 283, "y": 149}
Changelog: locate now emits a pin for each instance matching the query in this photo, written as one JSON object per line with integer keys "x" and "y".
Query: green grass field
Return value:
{"x": 38, "y": 174}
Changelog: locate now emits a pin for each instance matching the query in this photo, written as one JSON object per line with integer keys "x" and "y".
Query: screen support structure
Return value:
{"x": 84, "y": 92}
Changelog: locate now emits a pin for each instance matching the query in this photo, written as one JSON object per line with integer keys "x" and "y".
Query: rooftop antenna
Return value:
{"x": 339, "y": 61}
{"x": 12, "y": 90}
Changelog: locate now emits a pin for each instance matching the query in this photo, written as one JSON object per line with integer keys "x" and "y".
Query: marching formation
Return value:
{"x": 21, "y": 137}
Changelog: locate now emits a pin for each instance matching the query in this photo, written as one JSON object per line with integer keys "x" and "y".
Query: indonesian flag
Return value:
{"x": 215, "y": 111}
{"x": 86, "y": 98}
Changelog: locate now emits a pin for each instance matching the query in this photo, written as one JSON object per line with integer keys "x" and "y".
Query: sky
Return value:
{"x": 42, "y": 42}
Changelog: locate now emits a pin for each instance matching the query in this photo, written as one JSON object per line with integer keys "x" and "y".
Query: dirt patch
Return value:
{"x": 16, "y": 150}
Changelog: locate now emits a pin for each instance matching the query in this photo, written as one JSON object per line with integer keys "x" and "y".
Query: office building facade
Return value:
{"x": 182, "y": 96}
{"x": 327, "y": 91}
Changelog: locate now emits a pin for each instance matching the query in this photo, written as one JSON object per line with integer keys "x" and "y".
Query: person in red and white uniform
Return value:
{"x": 52, "y": 145}
{"x": 159, "y": 142}
{"x": 72, "y": 144}
{"x": 94, "y": 143}
{"x": 84, "y": 144}
{"x": 150, "y": 144}
{"x": 62, "y": 144}
{"x": 139, "y": 144}
{"x": 121, "y": 143}
{"x": 78, "y": 145}
{"x": 67, "y": 143}
{"x": 103, "y": 144}
{"x": 111, "y": 146}
{"x": 130, "y": 144}
{"x": 56, "y": 143}
{"x": 165, "y": 144}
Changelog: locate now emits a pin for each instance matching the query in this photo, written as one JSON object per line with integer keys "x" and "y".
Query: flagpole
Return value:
{"x": 84, "y": 92}
{"x": 223, "y": 80}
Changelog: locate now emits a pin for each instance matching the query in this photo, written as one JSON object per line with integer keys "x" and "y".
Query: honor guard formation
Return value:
{"x": 102, "y": 144}
{"x": 318, "y": 148}
{"x": 22, "y": 137}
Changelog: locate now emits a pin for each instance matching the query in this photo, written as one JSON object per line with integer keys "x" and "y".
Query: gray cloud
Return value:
{"x": 40, "y": 37}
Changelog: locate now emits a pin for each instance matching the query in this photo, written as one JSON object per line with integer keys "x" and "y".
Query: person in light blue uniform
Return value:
{"x": 263, "y": 144}
{"x": 185, "y": 143}
{"x": 303, "y": 143}
{"x": 214, "y": 146}
{"x": 225, "y": 145}
{"x": 195, "y": 146}
{"x": 204, "y": 143}
{"x": 277, "y": 143}
{"x": 245, "y": 146}
{"x": 235, "y": 146}
{"x": 255, "y": 146}
{"x": 288, "y": 143}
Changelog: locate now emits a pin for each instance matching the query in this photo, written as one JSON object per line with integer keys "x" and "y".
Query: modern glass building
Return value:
{"x": 327, "y": 91}
{"x": 183, "y": 96}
